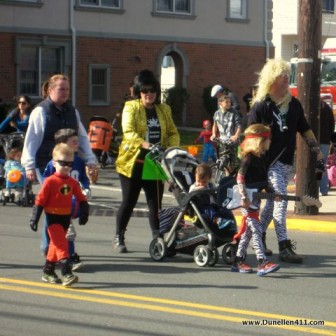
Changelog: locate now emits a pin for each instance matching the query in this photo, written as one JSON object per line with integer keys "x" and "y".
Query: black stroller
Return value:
{"x": 202, "y": 238}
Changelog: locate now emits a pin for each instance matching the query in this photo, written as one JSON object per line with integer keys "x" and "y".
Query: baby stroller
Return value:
{"x": 14, "y": 185}
{"x": 200, "y": 239}
{"x": 100, "y": 135}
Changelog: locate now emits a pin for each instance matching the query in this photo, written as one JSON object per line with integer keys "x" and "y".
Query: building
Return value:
{"x": 285, "y": 26}
{"x": 102, "y": 44}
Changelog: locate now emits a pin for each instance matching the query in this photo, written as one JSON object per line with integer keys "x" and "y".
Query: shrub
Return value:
{"x": 176, "y": 97}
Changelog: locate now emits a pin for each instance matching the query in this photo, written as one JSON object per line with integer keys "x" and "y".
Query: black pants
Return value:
{"x": 131, "y": 188}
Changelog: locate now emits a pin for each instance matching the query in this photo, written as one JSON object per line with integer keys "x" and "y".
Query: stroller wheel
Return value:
{"x": 214, "y": 256}
{"x": 202, "y": 255}
{"x": 229, "y": 253}
{"x": 157, "y": 249}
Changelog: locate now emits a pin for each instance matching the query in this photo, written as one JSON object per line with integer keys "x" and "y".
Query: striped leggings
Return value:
{"x": 278, "y": 175}
{"x": 254, "y": 230}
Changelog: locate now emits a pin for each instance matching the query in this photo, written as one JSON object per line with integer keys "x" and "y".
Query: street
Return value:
{"x": 129, "y": 294}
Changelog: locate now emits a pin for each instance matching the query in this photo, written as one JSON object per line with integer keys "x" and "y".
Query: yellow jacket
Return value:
{"x": 134, "y": 127}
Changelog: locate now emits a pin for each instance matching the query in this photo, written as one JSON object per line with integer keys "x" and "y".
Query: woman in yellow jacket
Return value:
{"x": 144, "y": 122}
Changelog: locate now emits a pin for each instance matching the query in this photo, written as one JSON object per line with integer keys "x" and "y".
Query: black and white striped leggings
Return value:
{"x": 279, "y": 175}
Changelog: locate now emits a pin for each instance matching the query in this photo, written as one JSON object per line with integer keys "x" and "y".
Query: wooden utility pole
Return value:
{"x": 308, "y": 72}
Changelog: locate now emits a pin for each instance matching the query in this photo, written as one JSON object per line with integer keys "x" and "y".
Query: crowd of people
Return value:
{"x": 56, "y": 151}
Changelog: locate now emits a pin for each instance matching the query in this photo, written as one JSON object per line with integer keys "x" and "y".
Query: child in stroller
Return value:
{"x": 17, "y": 188}
{"x": 203, "y": 237}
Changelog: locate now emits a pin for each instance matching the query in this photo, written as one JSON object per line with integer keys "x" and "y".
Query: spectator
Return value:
{"x": 327, "y": 125}
{"x": 274, "y": 106}
{"x": 227, "y": 127}
{"x": 145, "y": 121}
{"x": 218, "y": 91}
{"x": 18, "y": 118}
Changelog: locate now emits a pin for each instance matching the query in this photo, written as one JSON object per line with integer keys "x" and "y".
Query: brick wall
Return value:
{"x": 232, "y": 66}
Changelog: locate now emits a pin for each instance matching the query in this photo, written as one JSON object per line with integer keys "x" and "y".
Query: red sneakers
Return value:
{"x": 241, "y": 268}
{"x": 267, "y": 267}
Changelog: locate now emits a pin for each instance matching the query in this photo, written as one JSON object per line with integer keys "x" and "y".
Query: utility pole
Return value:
{"x": 308, "y": 72}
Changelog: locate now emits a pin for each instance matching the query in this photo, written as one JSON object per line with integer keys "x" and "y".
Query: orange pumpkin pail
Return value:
{"x": 100, "y": 133}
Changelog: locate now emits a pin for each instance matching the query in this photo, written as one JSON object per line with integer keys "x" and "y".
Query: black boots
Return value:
{"x": 287, "y": 254}
{"x": 119, "y": 243}
{"x": 267, "y": 251}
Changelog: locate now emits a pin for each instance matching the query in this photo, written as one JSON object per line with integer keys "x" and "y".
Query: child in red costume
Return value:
{"x": 208, "y": 148}
{"x": 55, "y": 197}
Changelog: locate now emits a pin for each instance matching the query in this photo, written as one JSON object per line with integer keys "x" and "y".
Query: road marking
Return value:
{"x": 157, "y": 304}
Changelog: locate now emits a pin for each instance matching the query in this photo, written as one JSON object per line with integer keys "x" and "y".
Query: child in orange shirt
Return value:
{"x": 55, "y": 197}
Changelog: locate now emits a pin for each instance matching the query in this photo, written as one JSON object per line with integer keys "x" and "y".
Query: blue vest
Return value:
{"x": 55, "y": 120}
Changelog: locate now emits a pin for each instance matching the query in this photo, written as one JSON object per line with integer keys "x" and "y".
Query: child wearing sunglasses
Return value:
{"x": 55, "y": 197}
{"x": 78, "y": 172}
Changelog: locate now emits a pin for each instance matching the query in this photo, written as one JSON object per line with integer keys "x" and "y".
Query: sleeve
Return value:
{"x": 238, "y": 120}
{"x": 85, "y": 150}
{"x": 43, "y": 195}
{"x": 33, "y": 138}
{"x": 241, "y": 177}
{"x": 83, "y": 178}
{"x": 5, "y": 123}
{"x": 131, "y": 123}
{"x": 255, "y": 115}
{"x": 302, "y": 125}
{"x": 77, "y": 192}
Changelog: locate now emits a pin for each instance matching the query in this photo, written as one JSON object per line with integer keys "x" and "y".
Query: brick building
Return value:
{"x": 102, "y": 44}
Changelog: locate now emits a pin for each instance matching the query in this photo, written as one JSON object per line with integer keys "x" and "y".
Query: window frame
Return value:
{"x": 93, "y": 102}
{"x": 331, "y": 6}
{"x": 244, "y": 9}
{"x": 99, "y": 8}
{"x": 174, "y": 14}
{"x": 44, "y": 42}
{"x": 23, "y": 3}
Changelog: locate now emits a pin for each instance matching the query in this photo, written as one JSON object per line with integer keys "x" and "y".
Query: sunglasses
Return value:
{"x": 65, "y": 163}
{"x": 22, "y": 102}
{"x": 148, "y": 90}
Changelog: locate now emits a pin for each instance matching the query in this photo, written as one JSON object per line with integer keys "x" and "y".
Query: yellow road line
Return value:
{"x": 72, "y": 293}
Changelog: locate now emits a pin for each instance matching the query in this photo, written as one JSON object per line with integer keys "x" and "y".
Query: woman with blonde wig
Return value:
{"x": 274, "y": 106}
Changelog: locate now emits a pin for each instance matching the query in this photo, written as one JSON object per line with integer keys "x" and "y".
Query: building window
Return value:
{"x": 101, "y": 3}
{"x": 174, "y": 6}
{"x": 237, "y": 9}
{"x": 99, "y": 84}
{"x": 37, "y": 60}
{"x": 328, "y": 6}
{"x": 22, "y": 3}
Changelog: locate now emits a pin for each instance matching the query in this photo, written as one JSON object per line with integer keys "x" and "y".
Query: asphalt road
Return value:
{"x": 129, "y": 294}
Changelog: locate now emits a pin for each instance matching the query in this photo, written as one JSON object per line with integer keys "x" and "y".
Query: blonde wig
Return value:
{"x": 271, "y": 70}
{"x": 255, "y": 135}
